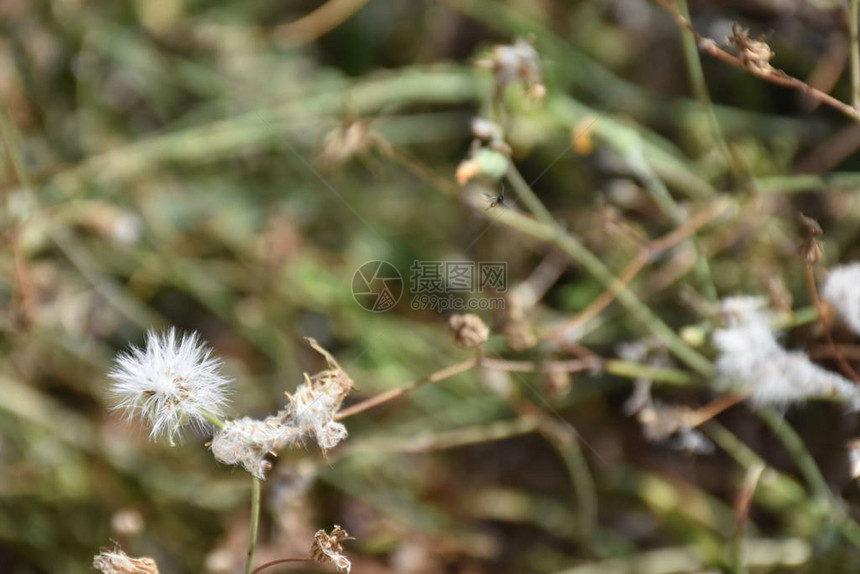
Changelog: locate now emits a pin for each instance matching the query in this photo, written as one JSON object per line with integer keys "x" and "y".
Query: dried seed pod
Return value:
{"x": 516, "y": 326}
{"x": 755, "y": 54}
{"x": 327, "y": 548}
{"x": 468, "y": 330}
{"x": 516, "y": 62}
{"x": 811, "y": 249}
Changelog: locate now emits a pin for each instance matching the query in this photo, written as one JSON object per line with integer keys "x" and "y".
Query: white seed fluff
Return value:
{"x": 842, "y": 290}
{"x": 310, "y": 414}
{"x": 752, "y": 360}
{"x": 313, "y": 408}
{"x": 172, "y": 382}
{"x": 247, "y": 441}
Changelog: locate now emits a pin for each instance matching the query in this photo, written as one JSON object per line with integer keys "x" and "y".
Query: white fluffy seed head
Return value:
{"x": 247, "y": 441}
{"x": 752, "y": 360}
{"x": 313, "y": 407}
{"x": 173, "y": 381}
{"x": 310, "y": 413}
{"x": 842, "y": 290}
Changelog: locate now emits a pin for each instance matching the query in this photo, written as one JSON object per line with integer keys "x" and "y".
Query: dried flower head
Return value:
{"x": 486, "y": 130}
{"x": 485, "y": 162}
{"x": 842, "y": 290}
{"x": 315, "y": 403}
{"x": 752, "y": 360}
{"x": 516, "y": 326}
{"x": 468, "y": 330}
{"x": 516, "y": 62}
{"x": 118, "y": 562}
{"x": 173, "y": 381}
{"x": 811, "y": 249}
{"x": 310, "y": 413}
{"x": 755, "y": 54}
{"x": 327, "y": 548}
{"x": 353, "y": 138}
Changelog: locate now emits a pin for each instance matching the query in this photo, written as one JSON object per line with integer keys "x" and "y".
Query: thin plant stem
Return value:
{"x": 255, "y": 523}
{"x": 566, "y": 440}
{"x": 212, "y": 418}
{"x": 737, "y": 546}
{"x": 802, "y": 316}
{"x": 722, "y": 403}
{"x": 319, "y": 22}
{"x": 424, "y": 442}
{"x": 262, "y": 567}
{"x": 799, "y": 183}
{"x": 528, "y": 196}
{"x": 700, "y": 85}
{"x": 746, "y": 458}
{"x": 645, "y": 255}
{"x": 667, "y": 204}
{"x": 794, "y": 444}
{"x": 582, "y": 255}
{"x": 855, "y": 53}
{"x": 584, "y": 487}
{"x": 569, "y": 366}
{"x": 440, "y": 375}
{"x": 617, "y": 367}
{"x": 811, "y": 473}
{"x": 631, "y": 370}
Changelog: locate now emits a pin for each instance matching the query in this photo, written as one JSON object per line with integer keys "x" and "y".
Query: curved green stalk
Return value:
{"x": 255, "y": 523}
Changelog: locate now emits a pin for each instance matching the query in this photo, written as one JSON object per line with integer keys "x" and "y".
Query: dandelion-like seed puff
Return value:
{"x": 172, "y": 381}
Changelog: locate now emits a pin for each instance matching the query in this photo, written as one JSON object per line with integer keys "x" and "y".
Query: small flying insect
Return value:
{"x": 497, "y": 200}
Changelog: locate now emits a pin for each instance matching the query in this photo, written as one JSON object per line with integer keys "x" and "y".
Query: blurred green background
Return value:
{"x": 226, "y": 167}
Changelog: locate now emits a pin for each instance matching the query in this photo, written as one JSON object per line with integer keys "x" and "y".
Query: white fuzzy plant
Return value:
{"x": 175, "y": 381}
{"x": 842, "y": 290}
{"x": 171, "y": 382}
{"x": 752, "y": 360}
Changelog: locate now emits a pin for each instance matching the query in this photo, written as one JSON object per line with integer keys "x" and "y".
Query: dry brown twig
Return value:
{"x": 755, "y": 58}
{"x": 646, "y": 254}
{"x": 327, "y": 548}
{"x": 811, "y": 250}
{"x": 318, "y": 23}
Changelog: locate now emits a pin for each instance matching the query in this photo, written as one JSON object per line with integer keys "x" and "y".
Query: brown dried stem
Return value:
{"x": 768, "y": 74}
{"x": 262, "y": 567}
{"x": 638, "y": 263}
{"x": 319, "y": 22}
{"x": 722, "y": 403}
{"x": 844, "y": 366}
{"x": 440, "y": 375}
